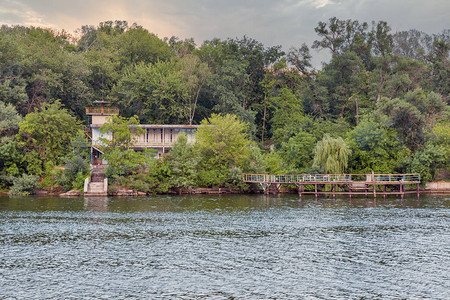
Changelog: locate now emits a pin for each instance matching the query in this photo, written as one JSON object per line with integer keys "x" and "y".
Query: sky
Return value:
{"x": 288, "y": 23}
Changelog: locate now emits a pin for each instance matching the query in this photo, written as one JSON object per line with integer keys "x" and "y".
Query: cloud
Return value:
{"x": 15, "y": 12}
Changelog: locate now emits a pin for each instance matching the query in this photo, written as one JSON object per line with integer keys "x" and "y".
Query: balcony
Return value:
{"x": 106, "y": 111}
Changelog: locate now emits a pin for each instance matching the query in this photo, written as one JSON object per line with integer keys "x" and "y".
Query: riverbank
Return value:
{"x": 439, "y": 187}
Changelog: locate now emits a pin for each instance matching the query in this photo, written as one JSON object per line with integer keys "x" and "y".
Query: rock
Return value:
{"x": 72, "y": 193}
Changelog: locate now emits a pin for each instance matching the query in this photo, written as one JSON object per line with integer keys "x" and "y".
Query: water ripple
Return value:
{"x": 238, "y": 247}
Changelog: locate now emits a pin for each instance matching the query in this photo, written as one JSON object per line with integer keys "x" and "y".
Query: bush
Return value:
{"x": 49, "y": 181}
{"x": 78, "y": 183}
{"x": 24, "y": 185}
{"x": 77, "y": 169}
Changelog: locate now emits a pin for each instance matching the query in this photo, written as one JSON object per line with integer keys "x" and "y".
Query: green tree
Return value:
{"x": 298, "y": 152}
{"x": 331, "y": 155}
{"x": 376, "y": 147}
{"x": 10, "y": 156}
{"x": 45, "y": 135}
{"x": 194, "y": 75}
{"x": 154, "y": 92}
{"x": 76, "y": 168}
{"x": 24, "y": 185}
{"x": 427, "y": 161}
{"x": 228, "y": 88}
{"x": 9, "y": 121}
{"x": 182, "y": 160}
{"x": 117, "y": 150}
{"x": 223, "y": 140}
{"x": 223, "y": 146}
{"x": 137, "y": 45}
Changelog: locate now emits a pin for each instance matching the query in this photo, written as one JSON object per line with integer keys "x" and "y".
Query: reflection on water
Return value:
{"x": 98, "y": 204}
{"x": 224, "y": 247}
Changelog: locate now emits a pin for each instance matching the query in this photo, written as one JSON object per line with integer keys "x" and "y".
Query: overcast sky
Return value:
{"x": 284, "y": 22}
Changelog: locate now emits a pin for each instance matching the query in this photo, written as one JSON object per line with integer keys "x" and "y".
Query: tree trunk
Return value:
{"x": 264, "y": 120}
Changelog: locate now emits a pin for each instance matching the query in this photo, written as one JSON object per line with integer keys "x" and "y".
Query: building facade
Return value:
{"x": 161, "y": 138}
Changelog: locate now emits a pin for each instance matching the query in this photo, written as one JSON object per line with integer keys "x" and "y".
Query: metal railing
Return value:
{"x": 396, "y": 177}
{"x": 102, "y": 110}
{"x": 266, "y": 178}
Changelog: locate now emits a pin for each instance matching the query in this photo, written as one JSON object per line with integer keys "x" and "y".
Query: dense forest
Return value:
{"x": 381, "y": 103}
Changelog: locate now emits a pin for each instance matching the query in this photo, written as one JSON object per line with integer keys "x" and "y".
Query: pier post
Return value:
{"x": 315, "y": 190}
{"x": 278, "y": 187}
{"x": 300, "y": 189}
{"x": 374, "y": 185}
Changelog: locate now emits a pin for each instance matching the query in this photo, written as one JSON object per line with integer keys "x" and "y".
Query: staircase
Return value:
{"x": 97, "y": 184}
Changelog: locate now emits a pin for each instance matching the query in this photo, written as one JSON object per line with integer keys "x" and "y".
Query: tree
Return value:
{"x": 224, "y": 148}
{"x": 193, "y": 74}
{"x": 154, "y": 92}
{"x": 228, "y": 87}
{"x": 122, "y": 159}
{"x": 301, "y": 59}
{"x": 45, "y": 135}
{"x": 222, "y": 140}
{"x": 342, "y": 35}
{"x": 182, "y": 159}
{"x": 298, "y": 151}
{"x": 331, "y": 155}
{"x": 428, "y": 160}
{"x": 76, "y": 168}
{"x": 376, "y": 147}
{"x": 413, "y": 115}
{"x": 10, "y": 156}
{"x": 9, "y": 120}
{"x": 137, "y": 45}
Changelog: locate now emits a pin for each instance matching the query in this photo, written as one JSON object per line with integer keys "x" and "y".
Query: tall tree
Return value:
{"x": 193, "y": 75}
{"x": 331, "y": 155}
{"x": 45, "y": 135}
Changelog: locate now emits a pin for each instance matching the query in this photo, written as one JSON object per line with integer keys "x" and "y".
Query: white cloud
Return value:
{"x": 322, "y": 3}
{"x": 14, "y": 12}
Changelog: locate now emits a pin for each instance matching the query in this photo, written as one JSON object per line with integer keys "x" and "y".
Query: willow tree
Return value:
{"x": 331, "y": 155}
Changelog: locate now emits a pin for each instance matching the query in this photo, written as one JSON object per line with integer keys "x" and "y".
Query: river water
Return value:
{"x": 225, "y": 247}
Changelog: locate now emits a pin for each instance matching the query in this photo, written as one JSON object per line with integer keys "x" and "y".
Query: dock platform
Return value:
{"x": 340, "y": 184}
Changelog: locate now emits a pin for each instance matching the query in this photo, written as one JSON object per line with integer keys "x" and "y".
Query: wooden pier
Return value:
{"x": 340, "y": 184}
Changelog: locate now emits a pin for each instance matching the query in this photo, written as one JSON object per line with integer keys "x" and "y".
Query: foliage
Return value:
{"x": 75, "y": 171}
{"x": 386, "y": 92}
{"x": 9, "y": 120}
{"x": 427, "y": 161}
{"x": 49, "y": 181}
{"x": 222, "y": 141}
{"x": 298, "y": 151}
{"x": 331, "y": 155}
{"x": 45, "y": 135}
{"x": 122, "y": 159}
{"x": 24, "y": 185}
{"x": 182, "y": 161}
{"x": 154, "y": 91}
{"x": 375, "y": 147}
{"x": 273, "y": 163}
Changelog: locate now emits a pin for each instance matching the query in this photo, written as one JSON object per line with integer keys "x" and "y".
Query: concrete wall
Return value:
{"x": 96, "y": 134}
{"x": 99, "y": 120}
{"x": 438, "y": 186}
